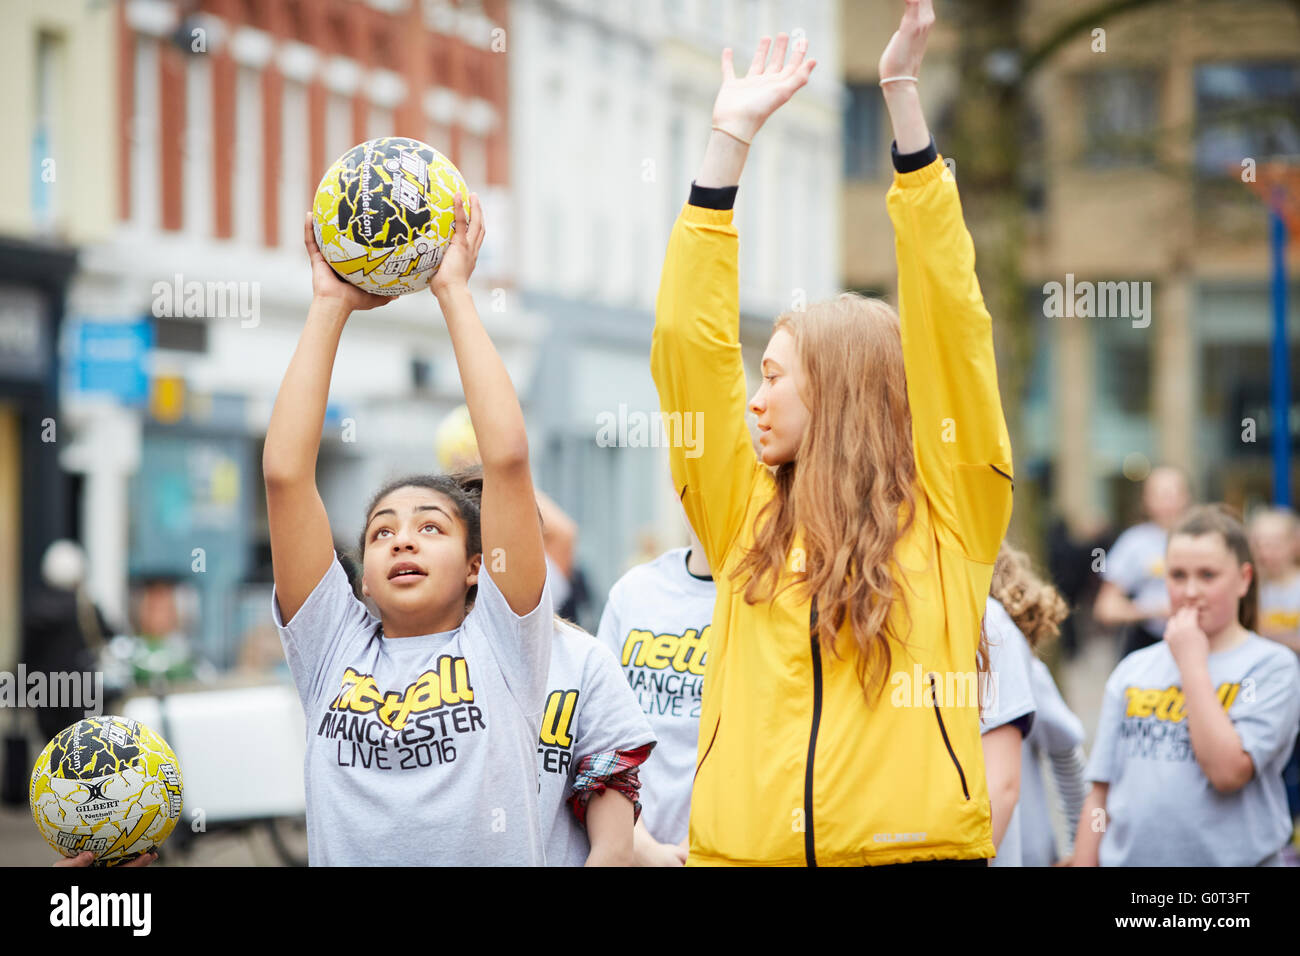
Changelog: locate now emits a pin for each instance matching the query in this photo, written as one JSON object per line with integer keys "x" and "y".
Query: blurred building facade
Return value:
{"x": 202, "y": 130}
{"x": 610, "y": 112}
{"x": 219, "y": 118}
{"x": 53, "y": 57}
{"x": 1142, "y": 130}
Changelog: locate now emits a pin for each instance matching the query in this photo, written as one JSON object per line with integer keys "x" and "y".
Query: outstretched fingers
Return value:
{"x": 760, "y": 57}
{"x": 728, "y": 67}
{"x": 777, "y": 61}
{"x": 796, "y": 58}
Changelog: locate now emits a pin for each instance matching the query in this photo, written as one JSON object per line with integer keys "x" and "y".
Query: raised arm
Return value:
{"x": 1216, "y": 744}
{"x": 302, "y": 546}
{"x": 695, "y": 356}
{"x": 512, "y": 533}
{"x": 963, "y": 452}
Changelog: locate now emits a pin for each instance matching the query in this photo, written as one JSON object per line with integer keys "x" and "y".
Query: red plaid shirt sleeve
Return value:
{"x": 613, "y": 769}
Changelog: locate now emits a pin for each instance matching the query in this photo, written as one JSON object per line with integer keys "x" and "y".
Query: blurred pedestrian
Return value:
{"x": 1273, "y": 539}
{"x": 1024, "y": 613}
{"x": 1071, "y": 561}
{"x": 64, "y": 630}
{"x": 1133, "y": 595}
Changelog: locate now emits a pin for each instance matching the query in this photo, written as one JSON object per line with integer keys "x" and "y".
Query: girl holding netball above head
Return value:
{"x": 423, "y": 723}
{"x": 860, "y": 543}
{"x": 1194, "y": 731}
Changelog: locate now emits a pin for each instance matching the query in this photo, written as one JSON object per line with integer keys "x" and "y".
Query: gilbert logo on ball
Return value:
{"x": 384, "y": 214}
{"x": 109, "y": 785}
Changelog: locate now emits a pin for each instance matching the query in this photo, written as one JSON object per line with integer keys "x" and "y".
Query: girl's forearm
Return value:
{"x": 294, "y": 432}
{"x": 1215, "y": 741}
{"x": 724, "y": 160}
{"x": 904, "y": 104}
{"x": 1087, "y": 835}
{"x": 489, "y": 394}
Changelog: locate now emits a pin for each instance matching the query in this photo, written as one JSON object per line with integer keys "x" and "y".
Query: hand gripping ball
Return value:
{"x": 384, "y": 214}
{"x": 106, "y": 784}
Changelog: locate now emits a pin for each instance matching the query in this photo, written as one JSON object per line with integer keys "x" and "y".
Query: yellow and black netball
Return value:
{"x": 109, "y": 785}
{"x": 384, "y": 214}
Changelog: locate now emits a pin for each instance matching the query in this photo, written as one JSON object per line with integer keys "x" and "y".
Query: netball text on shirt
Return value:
{"x": 1155, "y": 721}
{"x": 421, "y": 722}
{"x": 666, "y": 669}
{"x": 556, "y": 738}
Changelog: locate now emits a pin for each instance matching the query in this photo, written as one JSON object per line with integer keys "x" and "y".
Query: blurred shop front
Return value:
{"x": 168, "y": 480}
{"x": 34, "y": 507}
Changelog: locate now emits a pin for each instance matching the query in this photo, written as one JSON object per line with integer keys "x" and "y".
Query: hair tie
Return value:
{"x": 733, "y": 135}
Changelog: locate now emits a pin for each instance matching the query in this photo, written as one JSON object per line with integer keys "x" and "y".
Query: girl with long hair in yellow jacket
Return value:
{"x": 853, "y": 555}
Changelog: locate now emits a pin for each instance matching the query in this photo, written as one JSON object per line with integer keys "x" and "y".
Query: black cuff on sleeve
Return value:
{"x": 911, "y": 162}
{"x": 706, "y": 197}
{"x": 1023, "y": 724}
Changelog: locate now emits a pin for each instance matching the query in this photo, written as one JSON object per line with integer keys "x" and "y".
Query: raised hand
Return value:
{"x": 906, "y": 48}
{"x": 327, "y": 284}
{"x": 461, "y": 255}
{"x": 744, "y": 104}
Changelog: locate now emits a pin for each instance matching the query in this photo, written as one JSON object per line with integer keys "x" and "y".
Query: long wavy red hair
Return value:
{"x": 850, "y": 489}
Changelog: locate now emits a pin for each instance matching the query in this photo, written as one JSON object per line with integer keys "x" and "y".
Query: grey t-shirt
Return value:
{"x": 1162, "y": 809}
{"x": 657, "y": 624}
{"x": 589, "y": 710}
{"x": 420, "y": 750}
{"x": 1056, "y": 732}
{"x": 1010, "y": 699}
{"x": 1136, "y": 565}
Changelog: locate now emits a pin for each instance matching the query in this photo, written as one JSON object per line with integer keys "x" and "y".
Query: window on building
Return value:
{"x": 295, "y": 191}
{"x": 1120, "y": 110}
{"x": 197, "y": 212}
{"x": 1235, "y": 422}
{"x": 1123, "y": 370}
{"x": 249, "y": 179}
{"x": 180, "y": 335}
{"x": 439, "y": 137}
{"x": 379, "y": 122}
{"x": 473, "y": 159}
{"x": 145, "y": 175}
{"x": 49, "y": 60}
{"x": 1245, "y": 110}
{"x": 862, "y": 139}
{"x": 338, "y": 126}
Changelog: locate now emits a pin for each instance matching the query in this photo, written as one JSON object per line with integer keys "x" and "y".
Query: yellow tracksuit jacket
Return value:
{"x": 795, "y": 765}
